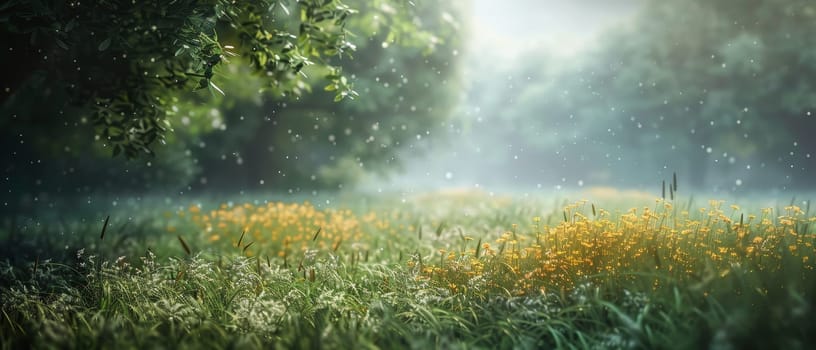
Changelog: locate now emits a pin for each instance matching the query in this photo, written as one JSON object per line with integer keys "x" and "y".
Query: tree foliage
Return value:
{"x": 402, "y": 67}
{"x": 123, "y": 62}
{"x": 408, "y": 82}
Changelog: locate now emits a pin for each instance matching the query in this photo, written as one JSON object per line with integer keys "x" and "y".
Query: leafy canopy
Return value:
{"x": 124, "y": 62}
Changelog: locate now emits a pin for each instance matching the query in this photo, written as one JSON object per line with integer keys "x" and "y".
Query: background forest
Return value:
{"x": 720, "y": 92}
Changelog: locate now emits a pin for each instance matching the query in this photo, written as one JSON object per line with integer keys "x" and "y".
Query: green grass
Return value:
{"x": 394, "y": 287}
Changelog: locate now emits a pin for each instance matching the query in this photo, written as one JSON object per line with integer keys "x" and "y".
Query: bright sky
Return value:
{"x": 563, "y": 26}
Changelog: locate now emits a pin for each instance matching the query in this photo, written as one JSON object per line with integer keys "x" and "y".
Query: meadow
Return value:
{"x": 456, "y": 269}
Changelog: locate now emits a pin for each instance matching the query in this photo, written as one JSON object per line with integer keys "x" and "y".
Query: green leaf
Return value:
{"x": 217, "y": 88}
{"x": 262, "y": 58}
{"x": 104, "y": 44}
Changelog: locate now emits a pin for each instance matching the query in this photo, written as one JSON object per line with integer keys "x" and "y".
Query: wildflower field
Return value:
{"x": 443, "y": 270}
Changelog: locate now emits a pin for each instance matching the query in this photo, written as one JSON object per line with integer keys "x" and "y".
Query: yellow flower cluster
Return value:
{"x": 599, "y": 247}
{"x": 278, "y": 228}
{"x": 577, "y": 245}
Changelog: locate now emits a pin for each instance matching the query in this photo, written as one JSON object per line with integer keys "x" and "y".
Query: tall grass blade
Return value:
{"x": 439, "y": 229}
{"x": 478, "y": 247}
{"x": 663, "y": 194}
{"x": 104, "y": 228}
{"x": 674, "y": 181}
{"x": 240, "y": 239}
{"x": 184, "y": 245}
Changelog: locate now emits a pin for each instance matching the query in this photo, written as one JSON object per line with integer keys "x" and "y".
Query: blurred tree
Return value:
{"x": 708, "y": 88}
{"x": 121, "y": 73}
{"x": 719, "y": 79}
{"x": 409, "y": 83}
{"x": 121, "y": 59}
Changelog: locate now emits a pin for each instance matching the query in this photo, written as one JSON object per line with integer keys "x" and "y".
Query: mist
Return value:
{"x": 545, "y": 109}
